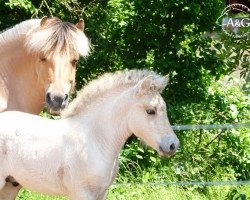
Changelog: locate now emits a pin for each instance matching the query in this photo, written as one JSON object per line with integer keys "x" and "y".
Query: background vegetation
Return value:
{"x": 168, "y": 37}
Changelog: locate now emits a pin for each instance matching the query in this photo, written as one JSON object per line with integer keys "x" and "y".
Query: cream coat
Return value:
{"x": 77, "y": 156}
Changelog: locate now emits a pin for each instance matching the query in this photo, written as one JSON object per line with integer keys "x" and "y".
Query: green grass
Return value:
{"x": 148, "y": 192}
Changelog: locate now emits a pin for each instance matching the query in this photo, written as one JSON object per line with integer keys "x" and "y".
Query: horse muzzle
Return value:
{"x": 168, "y": 145}
{"x": 55, "y": 103}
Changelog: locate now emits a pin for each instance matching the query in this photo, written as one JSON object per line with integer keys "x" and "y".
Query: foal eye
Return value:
{"x": 150, "y": 111}
{"x": 74, "y": 62}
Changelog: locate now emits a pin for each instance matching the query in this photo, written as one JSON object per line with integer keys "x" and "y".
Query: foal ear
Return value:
{"x": 161, "y": 83}
{"x": 43, "y": 21}
{"x": 144, "y": 85}
{"x": 80, "y": 25}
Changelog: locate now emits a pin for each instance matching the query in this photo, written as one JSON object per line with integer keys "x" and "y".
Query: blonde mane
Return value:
{"x": 105, "y": 84}
{"x": 55, "y": 36}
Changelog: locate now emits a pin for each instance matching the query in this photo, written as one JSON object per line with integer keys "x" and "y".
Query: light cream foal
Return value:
{"x": 77, "y": 156}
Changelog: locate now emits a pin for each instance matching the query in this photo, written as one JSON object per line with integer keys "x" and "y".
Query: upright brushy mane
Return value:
{"x": 56, "y": 36}
{"x": 105, "y": 84}
{"x": 52, "y": 37}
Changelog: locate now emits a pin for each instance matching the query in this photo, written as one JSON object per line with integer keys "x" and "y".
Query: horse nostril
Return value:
{"x": 48, "y": 96}
{"x": 58, "y": 100}
{"x": 66, "y": 97}
{"x": 172, "y": 147}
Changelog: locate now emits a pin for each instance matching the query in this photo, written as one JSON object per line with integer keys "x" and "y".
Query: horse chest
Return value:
{"x": 97, "y": 172}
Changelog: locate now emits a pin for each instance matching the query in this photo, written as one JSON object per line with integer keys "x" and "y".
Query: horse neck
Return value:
{"x": 18, "y": 78}
{"x": 110, "y": 125}
{"x": 15, "y": 36}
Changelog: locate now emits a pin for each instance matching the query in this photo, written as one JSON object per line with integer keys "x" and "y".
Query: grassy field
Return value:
{"x": 136, "y": 192}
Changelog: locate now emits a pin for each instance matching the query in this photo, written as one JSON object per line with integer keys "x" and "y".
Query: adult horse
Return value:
{"x": 37, "y": 64}
{"x": 37, "y": 67}
{"x": 77, "y": 156}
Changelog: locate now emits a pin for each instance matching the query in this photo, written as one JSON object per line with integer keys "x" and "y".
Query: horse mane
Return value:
{"x": 56, "y": 36}
{"x": 17, "y": 31}
{"x": 103, "y": 85}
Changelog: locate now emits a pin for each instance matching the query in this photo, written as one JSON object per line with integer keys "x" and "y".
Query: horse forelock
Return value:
{"x": 57, "y": 37}
{"x": 105, "y": 84}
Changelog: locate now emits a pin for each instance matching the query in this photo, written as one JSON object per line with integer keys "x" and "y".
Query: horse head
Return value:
{"x": 57, "y": 46}
{"x": 148, "y": 119}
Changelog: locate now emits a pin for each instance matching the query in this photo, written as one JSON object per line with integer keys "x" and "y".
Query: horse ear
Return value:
{"x": 80, "y": 25}
{"x": 43, "y": 21}
{"x": 161, "y": 83}
{"x": 144, "y": 85}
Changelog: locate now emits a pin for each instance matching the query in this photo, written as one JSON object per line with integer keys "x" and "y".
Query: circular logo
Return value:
{"x": 233, "y": 25}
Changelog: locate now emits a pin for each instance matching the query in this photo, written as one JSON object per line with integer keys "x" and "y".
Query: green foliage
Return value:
{"x": 161, "y": 192}
{"x": 27, "y": 195}
{"x": 234, "y": 47}
{"x": 10, "y": 15}
{"x": 22, "y": 4}
{"x": 164, "y": 36}
{"x": 235, "y": 52}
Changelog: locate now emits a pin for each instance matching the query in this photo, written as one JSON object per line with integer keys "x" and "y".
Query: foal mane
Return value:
{"x": 99, "y": 87}
{"x": 57, "y": 36}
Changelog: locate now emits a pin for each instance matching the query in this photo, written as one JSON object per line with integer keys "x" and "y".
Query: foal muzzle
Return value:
{"x": 169, "y": 145}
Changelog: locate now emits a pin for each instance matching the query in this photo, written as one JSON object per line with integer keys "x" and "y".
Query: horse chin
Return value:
{"x": 55, "y": 112}
{"x": 164, "y": 153}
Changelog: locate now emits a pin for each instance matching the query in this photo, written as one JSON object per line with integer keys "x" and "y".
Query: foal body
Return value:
{"x": 77, "y": 156}
{"x": 74, "y": 167}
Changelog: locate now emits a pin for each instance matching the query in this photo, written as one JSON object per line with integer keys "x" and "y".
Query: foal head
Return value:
{"x": 57, "y": 46}
{"x": 148, "y": 119}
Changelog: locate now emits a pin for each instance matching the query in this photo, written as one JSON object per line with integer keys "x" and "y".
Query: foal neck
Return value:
{"x": 110, "y": 122}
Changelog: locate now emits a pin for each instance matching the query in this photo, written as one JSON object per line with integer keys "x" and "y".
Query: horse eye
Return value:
{"x": 150, "y": 111}
{"x": 42, "y": 59}
{"x": 74, "y": 62}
